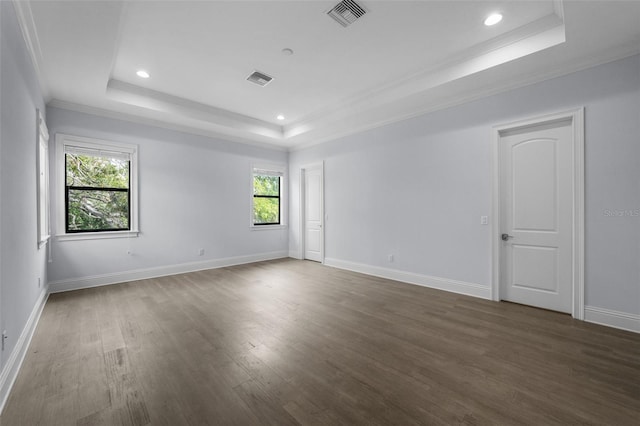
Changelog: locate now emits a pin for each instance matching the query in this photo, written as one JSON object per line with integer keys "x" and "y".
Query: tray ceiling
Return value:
{"x": 400, "y": 59}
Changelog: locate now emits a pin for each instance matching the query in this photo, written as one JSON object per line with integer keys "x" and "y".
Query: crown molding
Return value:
{"x": 29, "y": 33}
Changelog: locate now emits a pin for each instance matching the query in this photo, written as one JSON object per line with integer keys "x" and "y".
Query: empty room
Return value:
{"x": 355, "y": 212}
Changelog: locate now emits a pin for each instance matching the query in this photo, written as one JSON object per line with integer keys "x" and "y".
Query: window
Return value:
{"x": 43, "y": 181}
{"x": 268, "y": 188}
{"x": 98, "y": 185}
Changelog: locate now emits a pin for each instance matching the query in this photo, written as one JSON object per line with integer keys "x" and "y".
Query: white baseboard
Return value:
{"x": 12, "y": 366}
{"x": 460, "y": 287}
{"x": 615, "y": 319}
{"x": 141, "y": 274}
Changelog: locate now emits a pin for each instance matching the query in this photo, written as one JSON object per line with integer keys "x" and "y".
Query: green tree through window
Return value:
{"x": 266, "y": 199}
{"x": 97, "y": 192}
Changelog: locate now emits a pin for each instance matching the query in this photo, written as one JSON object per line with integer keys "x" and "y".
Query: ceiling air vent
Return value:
{"x": 346, "y": 12}
{"x": 259, "y": 78}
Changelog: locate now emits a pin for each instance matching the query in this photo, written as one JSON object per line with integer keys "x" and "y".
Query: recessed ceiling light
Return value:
{"x": 280, "y": 117}
{"x": 493, "y": 19}
{"x": 142, "y": 74}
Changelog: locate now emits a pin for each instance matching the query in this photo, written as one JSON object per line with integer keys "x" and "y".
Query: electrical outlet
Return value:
{"x": 201, "y": 252}
{"x": 484, "y": 220}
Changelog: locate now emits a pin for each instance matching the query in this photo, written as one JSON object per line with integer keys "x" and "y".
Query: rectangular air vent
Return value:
{"x": 259, "y": 78}
{"x": 346, "y": 12}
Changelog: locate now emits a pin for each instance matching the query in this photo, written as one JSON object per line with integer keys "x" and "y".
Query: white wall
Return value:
{"x": 417, "y": 188}
{"x": 194, "y": 193}
{"x": 21, "y": 263}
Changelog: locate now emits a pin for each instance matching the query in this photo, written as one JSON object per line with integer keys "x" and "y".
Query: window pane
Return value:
{"x": 91, "y": 210}
{"x": 266, "y": 185}
{"x": 101, "y": 172}
{"x": 266, "y": 210}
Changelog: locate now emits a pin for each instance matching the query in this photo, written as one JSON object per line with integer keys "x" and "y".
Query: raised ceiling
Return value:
{"x": 401, "y": 59}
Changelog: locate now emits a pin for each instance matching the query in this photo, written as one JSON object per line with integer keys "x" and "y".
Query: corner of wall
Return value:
{"x": 295, "y": 254}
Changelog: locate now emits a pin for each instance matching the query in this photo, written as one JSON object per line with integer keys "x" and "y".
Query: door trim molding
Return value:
{"x": 576, "y": 116}
{"x": 317, "y": 165}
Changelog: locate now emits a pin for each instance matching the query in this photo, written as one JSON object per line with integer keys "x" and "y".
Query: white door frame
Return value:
{"x": 576, "y": 117}
{"x": 302, "y": 221}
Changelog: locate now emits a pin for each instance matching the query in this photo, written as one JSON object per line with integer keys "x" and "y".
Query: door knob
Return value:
{"x": 505, "y": 237}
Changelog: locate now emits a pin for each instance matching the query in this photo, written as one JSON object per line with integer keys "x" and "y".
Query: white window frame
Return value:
{"x": 42, "y": 181}
{"x": 279, "y": 170}
{"x": 62, "y": 141}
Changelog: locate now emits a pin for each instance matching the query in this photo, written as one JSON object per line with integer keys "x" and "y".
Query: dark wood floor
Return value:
{"x": 290, "y": 342}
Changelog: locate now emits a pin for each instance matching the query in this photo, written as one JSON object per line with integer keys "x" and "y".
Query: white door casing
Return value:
{"x": 539, "y": 204}
{"x": 313, "y": 212}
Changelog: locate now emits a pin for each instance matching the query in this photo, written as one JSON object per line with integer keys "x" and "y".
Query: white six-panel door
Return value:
{"x": 536, "y": 216}
{"x": 313, "y": 213}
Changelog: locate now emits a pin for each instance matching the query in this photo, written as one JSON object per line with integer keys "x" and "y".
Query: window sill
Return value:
{"x": 266, "y": 227}
{"x": 97, "y": 235}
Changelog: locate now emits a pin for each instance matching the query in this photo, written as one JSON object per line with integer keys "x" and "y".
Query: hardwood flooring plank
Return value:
{"x": 294, "y": 342}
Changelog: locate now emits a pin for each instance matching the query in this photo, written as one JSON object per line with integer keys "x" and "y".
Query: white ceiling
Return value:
{"x": 401, "y": 59}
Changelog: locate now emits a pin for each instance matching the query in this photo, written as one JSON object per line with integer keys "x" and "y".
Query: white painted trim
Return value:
{"x": 302, "y": 220}
{"x": 578, "y": 214}
{"x": 161, "y": 271}
{"x": 615, "y": 319}
{"x": 14, "y": 362}
{"x": 97, "y": 235}
{"x": 284, "y": 194}
{"x": 267, "y": 227}
{"x": 494, "y": 230}
{"x": 42, "y": 188}
{"x": 301, "y": 223}
{"x": 445, "y": 284}
{"x": 32, "y": 41}
{"x": 62, "y": 140}
{"x": 577, "y": 121}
